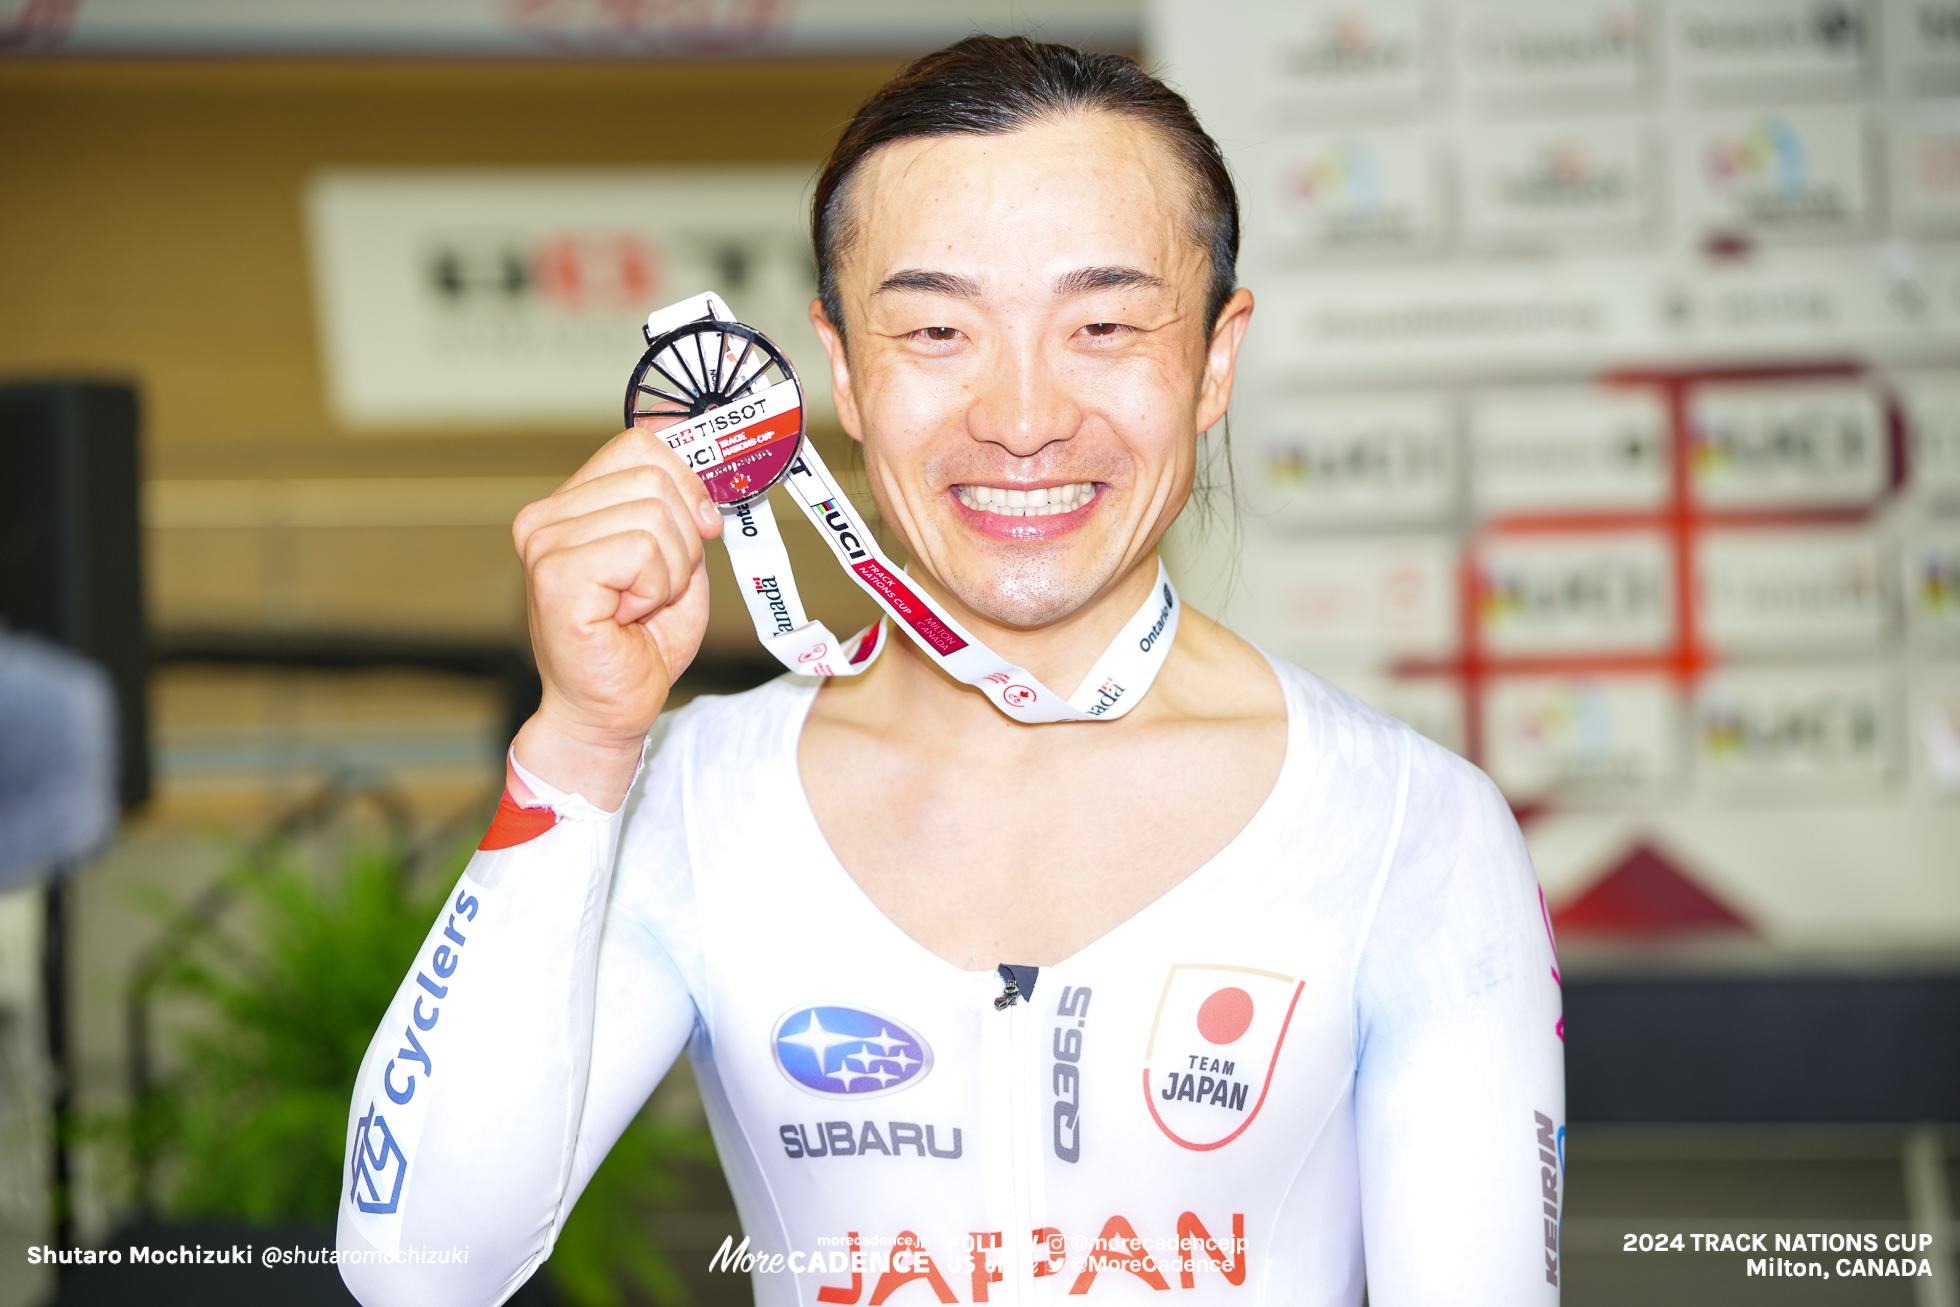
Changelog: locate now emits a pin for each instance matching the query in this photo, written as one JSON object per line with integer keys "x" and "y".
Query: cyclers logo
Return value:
{"x": 838, "y": 525}
{"x": 830, "y": 1049}
{"x": 380, "y": 1166}
{"x": 766, "y": 587}
{"x": 1157, "y": 628}
{"x": 385, "y": 1138}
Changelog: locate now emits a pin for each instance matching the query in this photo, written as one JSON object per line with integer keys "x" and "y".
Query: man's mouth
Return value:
{"x": 1044, "y": 502}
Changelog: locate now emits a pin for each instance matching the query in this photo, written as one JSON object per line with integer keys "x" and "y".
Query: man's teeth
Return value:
{"x": 1028, "y": 503}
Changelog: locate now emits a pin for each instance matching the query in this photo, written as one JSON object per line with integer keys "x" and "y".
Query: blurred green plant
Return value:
{"x": 257, "y": 1119}
{"x": 253, "y": 1126}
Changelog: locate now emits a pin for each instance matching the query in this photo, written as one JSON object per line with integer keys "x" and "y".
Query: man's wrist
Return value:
{"x": 596, "y": 766}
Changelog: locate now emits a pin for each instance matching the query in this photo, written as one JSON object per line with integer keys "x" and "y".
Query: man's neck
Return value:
{"x": 979, "y": 836}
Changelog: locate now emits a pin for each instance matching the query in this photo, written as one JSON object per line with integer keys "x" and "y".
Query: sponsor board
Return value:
{"x": 1924, "y": 37}
{"x": 1213, "y": 1047}
{"x": 1346, "y": 192}
{"x": 1341, "y": 601}
{"x": 1805, "y": 175}
{"x": 1346, "y": 324}
{"x": 1926, "y": 166}
{"x": 1929, "y": 581}
{"x": 515, "y": 296}
{"x": 1343, "y": 324}
{"x": 1582, "y": 737}
{"x": 1568, "y": 449}
{"x": 1818, "y": 731}
{"x": 1933, "y": 712}
{"x": 1932, "y": 404}
{"x": 1589, "y": 46}
{"x": 1321, "y": 51}
{"x": 1589, "y": 592}
{"x": 1557, "y": 181}
{"x": 1327, "y": 461}
{"x": 1774, "y": 591}
{"x": 1794, "y": 444}
{"x": 1775, "y": 172}
{"x": 1728, "y": 39}
{"x": 1802, "y": 305}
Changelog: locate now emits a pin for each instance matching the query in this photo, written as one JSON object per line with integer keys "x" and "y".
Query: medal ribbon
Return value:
{"x": 1114, "y": 685}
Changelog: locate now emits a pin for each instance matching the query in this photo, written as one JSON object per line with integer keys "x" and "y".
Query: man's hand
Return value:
{"x": 617, "y": 580}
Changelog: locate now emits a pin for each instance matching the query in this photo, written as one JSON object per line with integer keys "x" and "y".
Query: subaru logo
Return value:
{"x": 829, "y": 1049}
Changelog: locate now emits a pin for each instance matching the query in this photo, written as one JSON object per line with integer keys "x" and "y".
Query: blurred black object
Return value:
{"x": 71, "y": 561}
{"x": 57, "y": 758}
{"x": 1763, "y": 1049}
{"x": 71, "y": 570}
{"x": 57, "y": 807}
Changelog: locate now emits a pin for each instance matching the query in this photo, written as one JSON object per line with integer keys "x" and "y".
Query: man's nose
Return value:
{"x": 1025, "y": 403}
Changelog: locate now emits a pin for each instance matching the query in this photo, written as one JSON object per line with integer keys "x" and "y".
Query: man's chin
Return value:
{"x": 1026, "y": 597}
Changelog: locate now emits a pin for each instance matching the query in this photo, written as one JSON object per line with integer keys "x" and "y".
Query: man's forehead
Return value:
{"x": 1087, "y": 202}
{"x": 1076, "y": 281}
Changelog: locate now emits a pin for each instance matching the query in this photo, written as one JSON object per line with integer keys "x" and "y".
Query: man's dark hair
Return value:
{"x": 992, "y": 85}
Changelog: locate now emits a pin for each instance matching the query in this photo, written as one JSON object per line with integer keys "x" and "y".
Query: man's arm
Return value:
{"x": 1460, "y": 1093}
{"x": 530, "y": 1029}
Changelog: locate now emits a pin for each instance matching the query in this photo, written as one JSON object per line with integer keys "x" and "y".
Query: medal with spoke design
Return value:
{"x": 711, "y": 364}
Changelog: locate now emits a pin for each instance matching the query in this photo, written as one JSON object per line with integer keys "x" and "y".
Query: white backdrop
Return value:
{"x": 1601, "y": 417}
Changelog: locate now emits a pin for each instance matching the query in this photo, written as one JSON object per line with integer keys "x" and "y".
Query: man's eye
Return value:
{"x": 1103, "y": 329}
{"x": 940, "y": 333}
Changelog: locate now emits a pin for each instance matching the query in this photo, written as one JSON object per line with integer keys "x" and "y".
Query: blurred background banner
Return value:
{"x": 477, "y": 299}
{"x": 505, "y": 28}
{"x": 1600, "y": 417}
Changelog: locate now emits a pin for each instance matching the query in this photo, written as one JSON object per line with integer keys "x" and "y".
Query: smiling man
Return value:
{"x": 1242, "y": 993}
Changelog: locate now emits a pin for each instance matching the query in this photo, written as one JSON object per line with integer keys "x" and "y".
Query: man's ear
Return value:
{"x": 1221, "y": 358}
{"x": 840, "y": 371}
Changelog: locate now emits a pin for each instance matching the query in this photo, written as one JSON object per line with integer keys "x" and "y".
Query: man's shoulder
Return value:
{"x": 711, "y": 740}
{"x": 1339, "y": 724}
{"x": 728, "y": 718}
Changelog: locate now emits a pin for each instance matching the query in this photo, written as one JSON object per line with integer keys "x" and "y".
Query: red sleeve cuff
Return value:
{"x": 514, "y": 825}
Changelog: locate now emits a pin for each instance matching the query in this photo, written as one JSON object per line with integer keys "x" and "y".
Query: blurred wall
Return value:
{"x": 152, "y": 231}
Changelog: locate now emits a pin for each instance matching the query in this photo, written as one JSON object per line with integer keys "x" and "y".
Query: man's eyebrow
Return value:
{"x": 1084, "y": 281}
{"x": 931, "y": 283}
